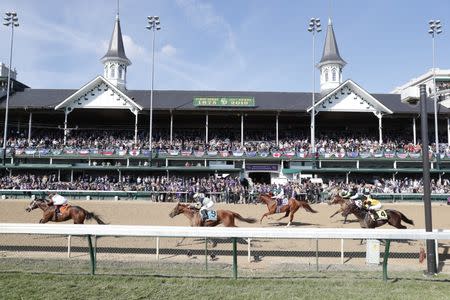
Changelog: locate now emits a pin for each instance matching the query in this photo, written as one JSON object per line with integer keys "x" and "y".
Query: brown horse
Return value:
{"x": 289, "y": 209}
{"x": 336, "y": 199}
{"x": 394, "y": 217}
{"x": 76, "y": 213}
{"x": 225, "y": 217}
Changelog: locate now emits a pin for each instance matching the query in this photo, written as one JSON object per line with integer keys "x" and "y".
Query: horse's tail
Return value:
{"x": 92, "y": 215}
{"x": 241, "y": 218}
{"x": 307, "y": 207}
{"x": 405, "y": 219}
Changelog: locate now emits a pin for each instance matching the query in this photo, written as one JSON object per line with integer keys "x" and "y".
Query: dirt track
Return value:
{"x": 276, "y": 251}
{"x": 148, "y": 213}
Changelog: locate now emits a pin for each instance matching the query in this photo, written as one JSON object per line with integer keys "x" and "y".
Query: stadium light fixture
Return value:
{"x": 12, "y": 20}
{"x": 153, "y": 25}
{"x": 313, "y": 27}
{"x": 435, "y": 28}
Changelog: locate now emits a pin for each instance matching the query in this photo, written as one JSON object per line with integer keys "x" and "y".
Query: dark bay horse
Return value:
{"x": 394, "y": 217}
{"x": 76, "y": 213}
{"x": 225, "y": 217}
{"x": 289, "y": 209}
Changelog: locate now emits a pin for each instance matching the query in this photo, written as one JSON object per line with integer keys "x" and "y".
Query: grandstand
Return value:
{"x": 101, "y": 129}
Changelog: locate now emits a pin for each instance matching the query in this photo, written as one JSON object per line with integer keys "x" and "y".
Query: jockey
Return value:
{"x": 204, "y": 204}
{"x": 278, "y": 194}
{"x": 345, "y": 194}
{"x": 58, "y": 201}
{"x": 372, "y": 205}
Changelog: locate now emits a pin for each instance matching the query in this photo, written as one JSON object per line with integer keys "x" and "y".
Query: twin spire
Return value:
{"x": 115, "y": 60}
{"x": 331, "y": 63}
{"x": 330, "y": 49}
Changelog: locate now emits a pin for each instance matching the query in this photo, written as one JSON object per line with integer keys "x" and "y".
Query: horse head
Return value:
{"x": 34, "y": 204}
{"x": 178, "y": 209}
{"x": 335, "y": 199}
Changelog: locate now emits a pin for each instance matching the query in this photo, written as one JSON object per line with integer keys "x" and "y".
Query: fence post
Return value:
{"x": 385, "y": 259}
{"x": 91, "y": 254}
{"x": 234, "y": 258}
{"x": 437, "y": 254}
{"x": 206, "y": 254}
{"x": 69, "y": 245}
{"x": 157, "y": 248}
{"x": 317, "y": 255}
{"x": 342, "y": 251}
{"x": 249, "y": 241}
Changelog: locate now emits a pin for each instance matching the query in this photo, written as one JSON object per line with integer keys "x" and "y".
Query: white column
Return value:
{"x": 380, "y": 128}
{"x": 171, "y": 126}
{"x": 448, "y": 132}
{"x": 206, "y": 128}
{"x": 29, "y": 127}
{"x": 414, "y": 131}
{"x": 276, "y": 128}
{"x": 242, "y": 130}
{"x": 65, "y": 127}
{"x": 136, "y": 128}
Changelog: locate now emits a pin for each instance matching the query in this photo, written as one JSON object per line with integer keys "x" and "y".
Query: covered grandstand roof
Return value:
{"x": 183, "y": 100}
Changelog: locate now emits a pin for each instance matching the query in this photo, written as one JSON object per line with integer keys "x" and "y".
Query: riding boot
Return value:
{"x": 57, "y": 212}
{"x": 204, "y": 215}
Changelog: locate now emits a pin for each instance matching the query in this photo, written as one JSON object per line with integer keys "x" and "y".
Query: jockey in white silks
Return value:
{"x": 279, "y": 195}
{"x": 58, "y": 201}
{"x": 204, "y": 204}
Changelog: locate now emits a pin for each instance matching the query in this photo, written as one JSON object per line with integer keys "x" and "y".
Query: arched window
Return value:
{"x": 333, "y": 74}
{"x": 326, "y": 75}
{"x": 120, "y": 72}
{"x": 112, "y": 71}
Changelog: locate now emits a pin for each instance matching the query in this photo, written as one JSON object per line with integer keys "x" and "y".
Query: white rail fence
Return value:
{"x": 248, "y": 234}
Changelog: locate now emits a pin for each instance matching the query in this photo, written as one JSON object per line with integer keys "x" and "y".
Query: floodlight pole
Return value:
{"x": 314, "y": 26}
{"x": 435, "y": 29}
{"x": 431, "y": 254}
{"x": 10, "y": 19}
{"x": 153, "y": 25}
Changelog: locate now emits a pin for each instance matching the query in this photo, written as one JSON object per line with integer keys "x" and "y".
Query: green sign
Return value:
{"x": 225, "y": 101}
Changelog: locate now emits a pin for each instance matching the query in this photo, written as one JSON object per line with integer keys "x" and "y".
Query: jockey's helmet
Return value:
{"x": 199, "y": 196}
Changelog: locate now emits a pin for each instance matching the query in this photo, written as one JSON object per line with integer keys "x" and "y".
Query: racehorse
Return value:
{"x": 289, "y": 209}
{"x": 76, "y": 213}
{"x": 336, "y": 199}
{"x": 225, "y": 217}
{"x": 394, "y": 217}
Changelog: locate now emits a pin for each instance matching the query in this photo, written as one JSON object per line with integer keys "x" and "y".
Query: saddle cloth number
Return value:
{"x": 212, "y": 215}
{"x": 382, "y": 215}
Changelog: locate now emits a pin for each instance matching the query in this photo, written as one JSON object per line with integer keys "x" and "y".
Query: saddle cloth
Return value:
{"x": 211, "y": 215}
{"x": 280, "y": 204}
{"x": 381, "y": 215}
{"x": 64, "y": 208}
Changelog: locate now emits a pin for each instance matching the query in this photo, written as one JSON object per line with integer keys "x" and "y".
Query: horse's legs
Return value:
{"x": 293, "y": 211}
{"x": 338, "y": 211}
{"x": 264, "y": 215}
{"x": 397, "y": 223}
{"x": 285, "y": 215}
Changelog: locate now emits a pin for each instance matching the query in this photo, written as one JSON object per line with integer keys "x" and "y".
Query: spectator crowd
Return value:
{"x": 326, "y": 142}
{"x": 228, "y": 189}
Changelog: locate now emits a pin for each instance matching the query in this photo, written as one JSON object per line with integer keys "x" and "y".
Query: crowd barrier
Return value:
{"x": 116, "y": 231}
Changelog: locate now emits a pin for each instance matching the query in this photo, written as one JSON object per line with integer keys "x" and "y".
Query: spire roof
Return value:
{"x": 330, "y": 50}
{"x": 116, "y": 49}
